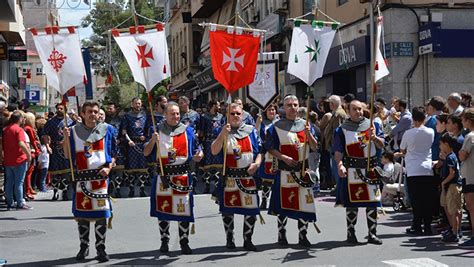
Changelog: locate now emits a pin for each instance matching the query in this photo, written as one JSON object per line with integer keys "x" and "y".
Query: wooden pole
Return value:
{"x": 372, "y": 80}
{"x": 149, "y": 98}
{"x": 305, "y": 138}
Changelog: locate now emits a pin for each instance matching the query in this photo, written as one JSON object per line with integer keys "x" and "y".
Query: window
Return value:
{"x": 25, "y": 70}
{"x": 39, "y": 69}
{"x": 341, "y": 2}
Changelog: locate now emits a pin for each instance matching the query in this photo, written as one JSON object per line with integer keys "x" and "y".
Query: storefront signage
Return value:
{"x": 204, "y": 78}
{"x": 17, "y": 55}
{"x": 428, "y": 38}
{"x": 350, "y": 54}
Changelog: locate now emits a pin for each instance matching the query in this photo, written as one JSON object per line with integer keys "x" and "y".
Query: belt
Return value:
{"x": 236, "y": 172}
{"x": 359, "y": 163}
{"x": 89, "y": 175}
{"x": 179, "y": 169}
{"x": 282, "y": 166}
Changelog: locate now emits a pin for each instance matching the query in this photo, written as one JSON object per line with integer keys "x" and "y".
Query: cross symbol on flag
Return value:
{"x": 142, "y": 55}
{"x": 233, "y": 59}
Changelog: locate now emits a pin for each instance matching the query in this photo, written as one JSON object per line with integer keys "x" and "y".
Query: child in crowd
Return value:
{"x": 392, "y": 177}
{"x": 43, "y": 161}
{"x": 451, "y": 196}
{"x": 466, "y": 155}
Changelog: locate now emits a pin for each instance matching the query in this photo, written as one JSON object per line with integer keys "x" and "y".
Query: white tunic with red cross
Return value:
{"x": 168, "y": 203}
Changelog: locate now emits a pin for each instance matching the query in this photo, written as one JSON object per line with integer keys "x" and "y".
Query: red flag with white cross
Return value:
{"x": 234, "y": 57}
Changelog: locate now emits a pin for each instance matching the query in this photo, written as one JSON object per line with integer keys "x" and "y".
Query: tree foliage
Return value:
{"x": 101, "y": 19}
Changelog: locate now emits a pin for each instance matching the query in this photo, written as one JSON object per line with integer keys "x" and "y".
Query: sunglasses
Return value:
{"x": 235, "y": 113}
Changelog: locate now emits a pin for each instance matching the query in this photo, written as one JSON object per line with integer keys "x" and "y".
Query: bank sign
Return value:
{"x": 351, "y": 54}
{"x": 428, "y": 39}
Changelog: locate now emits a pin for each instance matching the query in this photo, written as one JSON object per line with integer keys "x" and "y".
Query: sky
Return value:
{"x": 69, "y": 16}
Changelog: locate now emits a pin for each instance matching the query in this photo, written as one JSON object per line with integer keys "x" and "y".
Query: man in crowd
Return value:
{"x": 454, "y": 104}
{"x": 133, "y": 128}
{"x": 238, "y": 189}
{"x": 337, "y": 118}
{"x": 92, "y": 146}
{"x": 292, "y": 190}
{"x": 59, "y": 167}
{"x": 435, "y": 108}
{"x": 188, "y": 116}
{"x": 209, "y": 123}
{"x": 112, "y": 117}
{"x": 246, "y": 117}
{"x": 172, "y": 198}
{"x": 158, "y": 114}
{"x": 15, "y": 161}
{"x": 357, "y": 188}
{"x": 403, "y": 124}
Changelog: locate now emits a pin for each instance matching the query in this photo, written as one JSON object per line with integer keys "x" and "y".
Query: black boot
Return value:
{"x": 84, "y": 228}
{"x": 100, "y": 233}
{"x": 183, "y": 237}
{"x": 351, "y": 220}
{"x": 131, "y": 193}
{"x": 165, "y": 235}
{"x": 249, "y": 225}
{"x": 371, "y": 214}
{"x": 228, "y": 221}
{"x": 282, "y": 220}
{"x": 303, "y": 228}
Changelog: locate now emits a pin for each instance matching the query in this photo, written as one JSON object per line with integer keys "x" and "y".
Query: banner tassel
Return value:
{"x": 296, "y": 59}
{"x": 317, "y": 228}
{"x": 109, "y": 224}
{"x": 164, "y": 69}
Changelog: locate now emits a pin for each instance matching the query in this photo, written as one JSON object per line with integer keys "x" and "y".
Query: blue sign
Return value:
{"x": 33, "y": 96}
{"x": 428, "y": 38}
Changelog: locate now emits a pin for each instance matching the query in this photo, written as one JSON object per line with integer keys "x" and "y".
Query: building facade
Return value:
{"x": 426, "y": 45}
{"x": 12, "y": 34}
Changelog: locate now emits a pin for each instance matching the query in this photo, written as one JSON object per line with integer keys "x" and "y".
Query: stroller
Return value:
{"x": 399, "y": 200}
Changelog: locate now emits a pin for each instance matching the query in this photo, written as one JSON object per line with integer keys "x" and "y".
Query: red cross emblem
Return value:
{"x": 143, "y": 55}
{"x": 57, "y": 59}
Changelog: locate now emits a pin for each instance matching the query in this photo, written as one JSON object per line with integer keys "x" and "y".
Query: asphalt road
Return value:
{"x": 48, "y": 235}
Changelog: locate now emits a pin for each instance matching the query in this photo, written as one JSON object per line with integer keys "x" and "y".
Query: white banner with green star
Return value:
{"x": 310, "y": 45}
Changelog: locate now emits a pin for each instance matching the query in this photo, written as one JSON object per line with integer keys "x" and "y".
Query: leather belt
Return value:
{"x": 89, "y": 175}
{"x": 137, "y": 139}
{"x": 359, "y": 163}
{"x": 236, "y": 172}
{"x": 282, "y": 166}
{"x": 180, "y": 169}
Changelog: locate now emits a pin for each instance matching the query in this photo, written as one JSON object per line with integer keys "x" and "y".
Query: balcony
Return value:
{"x": 11, "y": 23}
{"x": 205, "y": 8}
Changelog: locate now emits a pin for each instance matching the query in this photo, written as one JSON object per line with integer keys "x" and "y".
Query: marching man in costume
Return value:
{"x": 134, "y": 130}
{"x": 292, "y": 193}
{"x": 358, "y": 188}
{"x": 171, "y": 194}
{"x": 238, "y": 189}
{"x": 92, "y": 145}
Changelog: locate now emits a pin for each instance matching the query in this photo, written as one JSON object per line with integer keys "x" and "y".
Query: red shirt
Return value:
{"x": 12, "y": 153}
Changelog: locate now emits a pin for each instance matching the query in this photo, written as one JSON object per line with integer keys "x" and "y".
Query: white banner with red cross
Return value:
{"x": 60, "y": 52}
{"x": 146, "y": 53}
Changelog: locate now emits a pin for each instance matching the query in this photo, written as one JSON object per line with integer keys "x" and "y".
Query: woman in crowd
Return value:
{"x": 30, "y": 130}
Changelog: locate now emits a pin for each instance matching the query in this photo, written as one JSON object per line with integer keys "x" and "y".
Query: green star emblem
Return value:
{"x": 313, "y": 50}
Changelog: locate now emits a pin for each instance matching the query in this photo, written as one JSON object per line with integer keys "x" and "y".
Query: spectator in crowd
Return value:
{"x": 101, "y": 115}
{"x": 441, "y": 121}
{"x": 455, "y": 127}
{"x": 338, "y": 116}
{"x": 451, "y": 197}
{"x": 2, "y": 176}
{"x": 40, "y": 123}
{"x": 15, "y": 161}
{"x": 403, "y": 124}
{"x": 43, "y": 161}
{"x": 466, "y": 156}
{"x": 29, "y": 127}
{"x": 392, "y": 115}
{"x": 434, "y": 109}
{"x": 416, "y": 146}
{"x": 347, "y": 98}
{"x": 325, "y": 163}
{"x": 454, "y": 104}
{"x": 466, "y": 99}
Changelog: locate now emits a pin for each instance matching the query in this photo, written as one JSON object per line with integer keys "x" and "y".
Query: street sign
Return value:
{"x": 402, "y": 49}
{"x": 265, "y": 87}
{"x": 33, "y": 96}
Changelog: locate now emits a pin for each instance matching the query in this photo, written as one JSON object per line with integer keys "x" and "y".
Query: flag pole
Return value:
{"x": 71, "y": 166}
{"x": 229, "y": 95}
{"x": 372, "y": 78}
{"x": 149, "y": 97}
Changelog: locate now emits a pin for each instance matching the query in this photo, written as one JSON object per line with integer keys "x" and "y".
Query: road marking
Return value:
{"x": 416, "y": 262}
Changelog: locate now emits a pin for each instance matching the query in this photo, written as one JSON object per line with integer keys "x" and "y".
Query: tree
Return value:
{"x": 102, "y": 18}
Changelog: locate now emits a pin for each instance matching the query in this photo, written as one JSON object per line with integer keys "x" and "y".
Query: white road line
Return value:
{"x": 416, "y": 262}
